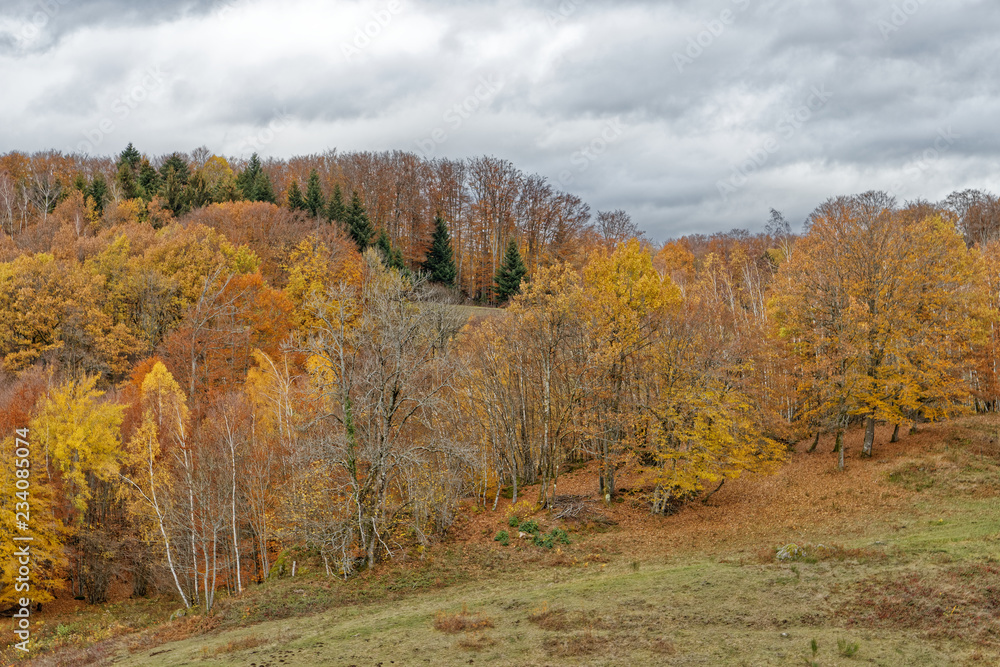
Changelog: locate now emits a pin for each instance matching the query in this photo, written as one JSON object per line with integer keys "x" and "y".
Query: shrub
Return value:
{"x": 503, "y": 538}
{"x": 530, "y": 526}
{"x": 513, "y": 521}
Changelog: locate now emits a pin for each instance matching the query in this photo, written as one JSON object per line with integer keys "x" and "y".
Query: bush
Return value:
{"x": 555, "y": 536}
{"x": 530, "y": 526}
{"x": 513, "y": 521}
{"x": 503, "y": 538}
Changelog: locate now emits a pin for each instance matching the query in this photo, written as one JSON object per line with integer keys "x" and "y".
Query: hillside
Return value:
{"x": 896, "y": 564}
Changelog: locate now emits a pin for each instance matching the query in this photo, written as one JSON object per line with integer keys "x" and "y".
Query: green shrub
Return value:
{"x": 513, "y": 521}
{"x": 554, "y": 536}
{"x": 530, "y": 526}
{"x": 503, "y": 538}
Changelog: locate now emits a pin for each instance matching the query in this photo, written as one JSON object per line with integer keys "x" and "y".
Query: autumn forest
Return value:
{"x": 222, "y": 360}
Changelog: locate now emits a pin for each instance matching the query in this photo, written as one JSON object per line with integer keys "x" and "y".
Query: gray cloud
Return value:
{"x": 692, "y": 91}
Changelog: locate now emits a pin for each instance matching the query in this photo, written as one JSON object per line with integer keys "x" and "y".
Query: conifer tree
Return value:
{"x": 440, "y": 262}
{"x": 295, "y": 200}
{"x": 508, "y": 277}
{"x": 358, "y": 224}
{"x": 254, "y": 182}
{"x": 99, "y": 191}
{"x": 335, "y": 210}
{"x": 130, "y": 156}
{"x": 314, "y": 195}
{"x": 392, "y": 257}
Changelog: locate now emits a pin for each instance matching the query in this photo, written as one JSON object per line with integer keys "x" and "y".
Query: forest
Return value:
{"x": 219, "y": 361}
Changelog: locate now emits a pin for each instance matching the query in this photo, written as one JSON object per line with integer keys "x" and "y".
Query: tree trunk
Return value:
{"x": 815, "y": 443}
{"x": 840, "y": 449}
{"x": 895, "y": 434}
{"x": 866, "y": 449}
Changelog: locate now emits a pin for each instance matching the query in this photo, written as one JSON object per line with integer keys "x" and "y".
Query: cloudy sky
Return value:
{"x": 692, "y": 116}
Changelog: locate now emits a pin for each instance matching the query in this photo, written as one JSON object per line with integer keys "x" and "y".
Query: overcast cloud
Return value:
{"x": 692, "y": 116}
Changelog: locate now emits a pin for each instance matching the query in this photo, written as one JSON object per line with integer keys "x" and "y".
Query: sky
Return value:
{"x": 694, "y": 117}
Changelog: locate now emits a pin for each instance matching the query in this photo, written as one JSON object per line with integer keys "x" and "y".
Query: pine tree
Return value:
{"x": 99, "y": 191}
{"x": 314, "y": 195}
{"x": 127, "y": 182}
{"x": 335, "y": 210}
{"x": 295, "y": 200}
{"x": 263, "y": 190}
{"x": 392, "y": 257}
{"x": 440, "y": 262}
{"x": 129, "y": 156}
{"x": 358, "y": 224}
{"x": 254, "y": 182}
{"x": 508, "y": 277}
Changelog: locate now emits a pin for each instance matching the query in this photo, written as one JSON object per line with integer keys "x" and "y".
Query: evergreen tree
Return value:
{"x": 131, "y": 157}
{"x": 335, "y": 210}
{"x": 127, "y": 182}
{"x": 392, "y": 257}
{"x": 314, "y": 195}
{"x": 149, "y": 180}
{"x": 262, "y": 188}
{"x": 358, "y": 224}
{"x": 440, "y": 262}
{"x": 177, "y": 165}
{"x": 295, "y": 200}
{"x": 99, "y": 192}
{"x": 508, "y": 278}
{"x": 254, "y": 182}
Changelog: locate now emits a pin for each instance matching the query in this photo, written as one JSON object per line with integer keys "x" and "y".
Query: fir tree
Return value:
{"x": 127, "y": 182}
{"x": 335, "y": 210}
{"x": 131, "y": 157}
{"x": 99, "y": 191}
{"x": 391, "y": 256}
{"x": 149, "y": 180}
{"x": 295, "y": 200}
{"x": 358, "y": 224}
{"x": 250, "y": 181}
{"x": 314, "y": 195}
{"x": 262, "y": 188}
{"x": 508, "y": 278}
{"x": 440, "y": 262}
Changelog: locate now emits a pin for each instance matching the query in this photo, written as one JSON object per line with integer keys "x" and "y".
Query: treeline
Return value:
{"x": 212, "y": 388}
{"x": 486, "y": 201}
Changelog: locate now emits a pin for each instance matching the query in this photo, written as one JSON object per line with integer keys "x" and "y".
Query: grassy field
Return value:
{"x": 894, "y": 562}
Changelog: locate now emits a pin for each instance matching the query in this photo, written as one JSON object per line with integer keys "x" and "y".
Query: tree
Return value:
{"x": 868, "y": 303}
{"x": 335, "y": 210}
{"x": 314, "y": 195}
{"x": 358, "y": 225}
{"x": 507, "y": 281}
{"x": 130, "y": 157}
{"x": 391, "y": 257}
{"x": 440, "y": 261}
{"x": 295, "y": 200}
{"x": 254, "y": 182}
